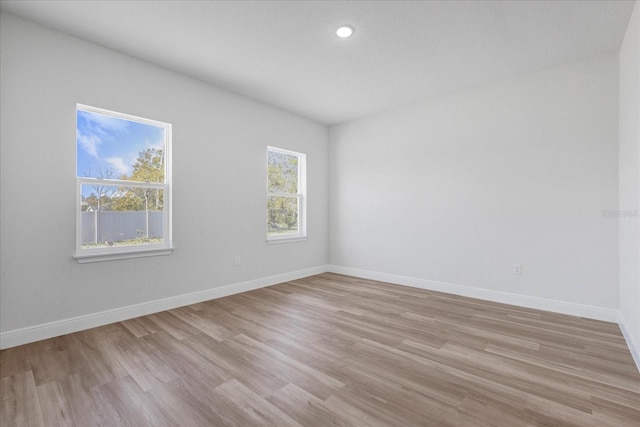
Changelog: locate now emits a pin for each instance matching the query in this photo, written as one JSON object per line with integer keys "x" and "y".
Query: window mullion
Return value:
{"x": 121, "y": 183}
{"x": 270, "y": 194}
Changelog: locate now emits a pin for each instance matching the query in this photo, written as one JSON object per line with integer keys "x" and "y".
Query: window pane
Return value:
{"x": 282, "y": 172}
{"x": 282, "y": 215}
{"x": 121, "y": 216}
{"x": 109, "y": 147}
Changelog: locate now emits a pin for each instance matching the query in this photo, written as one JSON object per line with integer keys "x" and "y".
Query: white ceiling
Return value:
{"x": 285, "y": 53}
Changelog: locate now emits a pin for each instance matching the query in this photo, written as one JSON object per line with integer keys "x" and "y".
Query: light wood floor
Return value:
{"x": 328, "y": 350}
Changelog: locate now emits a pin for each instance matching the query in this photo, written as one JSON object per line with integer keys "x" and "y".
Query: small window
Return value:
{"x": 123, "y": 185}
{"x": 286, "y": 191}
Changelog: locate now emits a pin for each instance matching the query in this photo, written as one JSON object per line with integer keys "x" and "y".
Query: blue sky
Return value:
{"x": 107, "y": 143}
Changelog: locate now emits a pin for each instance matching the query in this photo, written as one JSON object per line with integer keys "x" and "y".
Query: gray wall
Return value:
{"x": 219, "y": 168}
{"x": 630, "y": 182}
{"x": 458, "y": 189}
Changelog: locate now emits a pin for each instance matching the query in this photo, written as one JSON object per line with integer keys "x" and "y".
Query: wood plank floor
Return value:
{"x": 328, "y": 350}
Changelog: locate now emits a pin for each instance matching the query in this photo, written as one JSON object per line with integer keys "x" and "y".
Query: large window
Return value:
{"x": 123, "y": 190}
{"x": 286, "y": 188}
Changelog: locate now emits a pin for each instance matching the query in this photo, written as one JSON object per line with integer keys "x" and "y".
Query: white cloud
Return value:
{"x": 118, "y": 164}
{"x": 95, "y": 128}
{"x": 90, "y": 144}
{"x": 103, "y": 123}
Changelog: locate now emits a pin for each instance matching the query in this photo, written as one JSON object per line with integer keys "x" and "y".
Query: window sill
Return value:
{"x": 278, "y": 240}
{"x": 112, "y": 256}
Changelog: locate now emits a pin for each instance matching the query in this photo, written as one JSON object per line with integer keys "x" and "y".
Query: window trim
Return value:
{"x": 301, "y": 195}
{"x": 87, "y": 255}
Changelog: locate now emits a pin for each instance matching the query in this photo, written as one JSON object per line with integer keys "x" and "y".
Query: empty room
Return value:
{"x": 320, "y": 213}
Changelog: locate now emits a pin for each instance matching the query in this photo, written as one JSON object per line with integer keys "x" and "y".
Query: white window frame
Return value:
{"x": 84, "y": 255}
{"x": 301, "y": 195}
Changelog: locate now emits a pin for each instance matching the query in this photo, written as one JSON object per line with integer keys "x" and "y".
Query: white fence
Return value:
{"x": 115, "y": 226}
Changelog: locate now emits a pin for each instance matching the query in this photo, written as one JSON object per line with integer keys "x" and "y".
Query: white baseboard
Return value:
{"x": 66, "y": 326}
{"x": 633, "y": 344}
{"x": 588, "y": 311}
{"x": 29, "y": 334}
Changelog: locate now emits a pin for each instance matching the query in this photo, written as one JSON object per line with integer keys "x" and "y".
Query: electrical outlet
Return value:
{"x": 237, "y": 261}
{"x": 517, "y": 268}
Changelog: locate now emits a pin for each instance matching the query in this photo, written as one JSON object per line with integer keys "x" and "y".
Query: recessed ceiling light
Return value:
{"x": 345, "y": 31}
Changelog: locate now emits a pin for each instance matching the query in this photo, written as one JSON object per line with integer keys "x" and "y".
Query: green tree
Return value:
{"x": 102, "y": 203}
{"x": 149, "y": 167}
{"x": 91, "y": 202}
{"x": 105, "y": 192}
